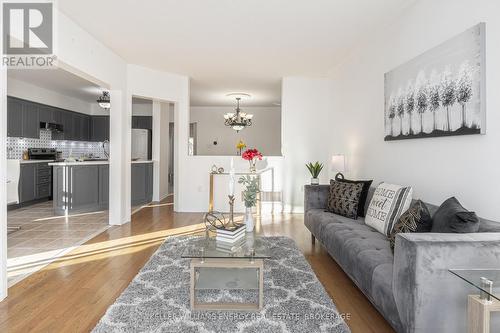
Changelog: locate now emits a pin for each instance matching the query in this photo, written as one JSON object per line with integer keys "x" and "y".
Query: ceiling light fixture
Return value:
{"x": 238, "y": 120}
{"x": 104, "y": 100}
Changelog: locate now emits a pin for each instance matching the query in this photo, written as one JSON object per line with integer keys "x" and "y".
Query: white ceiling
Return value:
{"x": 58, "y": 80}
{"x": 233, "y": 45}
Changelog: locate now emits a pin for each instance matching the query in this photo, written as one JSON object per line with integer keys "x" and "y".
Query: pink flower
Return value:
{"x": 251, "y": 154}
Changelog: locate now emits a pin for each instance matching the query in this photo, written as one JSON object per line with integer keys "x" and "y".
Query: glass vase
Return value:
{"x": 253, "y": 169}
{"x": 249, "y": 222}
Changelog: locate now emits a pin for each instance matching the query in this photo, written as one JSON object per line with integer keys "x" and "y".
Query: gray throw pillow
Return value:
{"x": 451, "y": 217}
{"x": 344, "y": 198}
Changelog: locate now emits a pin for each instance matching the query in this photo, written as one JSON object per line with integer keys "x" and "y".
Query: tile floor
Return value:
{"x": 43, "y": 237}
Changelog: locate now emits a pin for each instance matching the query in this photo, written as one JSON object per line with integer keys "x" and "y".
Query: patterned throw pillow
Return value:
{"x": 389, "y": 201}
{"x": 344, "y": 198}
{"x": 416, "y": 219}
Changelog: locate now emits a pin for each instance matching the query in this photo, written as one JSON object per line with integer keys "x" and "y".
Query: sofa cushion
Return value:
{"x": 344, "y": 198}
{"x": 364, "y": 193}
{"x": 416, "y": 219}
{"x": 453, "y": 217}
{"x": 388, "y": 203}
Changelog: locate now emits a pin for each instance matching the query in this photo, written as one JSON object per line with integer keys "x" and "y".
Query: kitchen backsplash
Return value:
{"x": 16, "y": 146}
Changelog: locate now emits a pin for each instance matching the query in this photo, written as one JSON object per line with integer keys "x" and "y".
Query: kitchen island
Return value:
{"x": 82, "y": 187}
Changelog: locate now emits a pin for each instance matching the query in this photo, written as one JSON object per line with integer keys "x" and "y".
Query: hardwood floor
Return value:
{"x": 71, "y": 294}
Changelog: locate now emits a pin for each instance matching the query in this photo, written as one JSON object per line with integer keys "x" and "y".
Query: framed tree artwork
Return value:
{"x": 439, "y": 93}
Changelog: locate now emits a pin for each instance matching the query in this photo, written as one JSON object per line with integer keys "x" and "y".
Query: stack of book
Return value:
{"x": 230, "y": 236}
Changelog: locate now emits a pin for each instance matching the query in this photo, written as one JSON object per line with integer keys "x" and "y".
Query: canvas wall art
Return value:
{"x": 439, "y": 93}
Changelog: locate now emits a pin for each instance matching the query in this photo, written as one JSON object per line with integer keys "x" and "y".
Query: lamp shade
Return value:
{"x": 338, "y": 163}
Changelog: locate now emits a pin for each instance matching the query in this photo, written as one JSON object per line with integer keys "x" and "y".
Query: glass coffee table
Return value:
{"x": 216, "y": 266}
{"x": 479, "y": 307}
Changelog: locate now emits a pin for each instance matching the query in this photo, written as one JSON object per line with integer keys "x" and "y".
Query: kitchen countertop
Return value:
{"x": 92, "y": 163}
{"x": 34, "y": 161}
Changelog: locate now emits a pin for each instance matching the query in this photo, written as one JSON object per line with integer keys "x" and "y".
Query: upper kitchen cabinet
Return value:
{"x": 22, "y": 119}
{"x": 142, "y": 122}
{"x": 67, "y": 123}
{"x": 14, "y": 117}
{"x": 99, "y": 130}
{"x": 31, "y": 124}
{"x": 81, "y": 127}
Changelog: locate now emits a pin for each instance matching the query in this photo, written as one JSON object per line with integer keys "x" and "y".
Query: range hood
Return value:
{"x": 51, "y": 127}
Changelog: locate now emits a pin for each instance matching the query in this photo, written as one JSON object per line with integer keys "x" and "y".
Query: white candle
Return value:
{"x": 231, "y": 176}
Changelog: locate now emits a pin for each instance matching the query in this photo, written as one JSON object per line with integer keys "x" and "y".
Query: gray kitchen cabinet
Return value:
{"x": 46, "y": 114}
{"x": 27, "y": 183}
{"x": 31, "y": 124}
{"x": 14, "y": 117}
{"x": 142, "y": 122}
{"x": 99, "y": 128}
{"x": 84, "y": 186}
{"x": 80, "y": 188}
{"x": 85, "y": 128}
{"x": 67, "y": 122}
{"x": 81, "y": 127}
{"x": 103, "y": 186}
{"x": 141, "y": 183}
{"x": 77, "y": 127}
{"x": 35, "y": 182}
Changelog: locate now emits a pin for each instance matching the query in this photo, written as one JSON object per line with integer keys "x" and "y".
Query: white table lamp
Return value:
{"x": 338, "y": 165}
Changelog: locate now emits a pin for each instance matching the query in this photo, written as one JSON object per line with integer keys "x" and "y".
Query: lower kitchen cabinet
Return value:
{"x": 35, "y": 182}
{"x": 85, "y": 188}
{"x": 27, "y": 183}
{"x": 142, "y": 183}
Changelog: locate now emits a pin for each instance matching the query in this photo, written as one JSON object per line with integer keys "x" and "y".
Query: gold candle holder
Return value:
{"x": 231, "y": 223}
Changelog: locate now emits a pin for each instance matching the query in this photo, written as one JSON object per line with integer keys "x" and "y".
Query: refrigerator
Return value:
{"x": 141, "y": 144}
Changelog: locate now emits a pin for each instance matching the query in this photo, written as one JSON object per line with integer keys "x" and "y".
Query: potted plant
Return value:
{"x": 252, "y": 155}
{"x": 315, "y": 170}
{"x": 250, "y": 192}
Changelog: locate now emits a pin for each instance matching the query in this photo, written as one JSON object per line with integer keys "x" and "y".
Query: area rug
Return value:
{"x": 157, "y": 300}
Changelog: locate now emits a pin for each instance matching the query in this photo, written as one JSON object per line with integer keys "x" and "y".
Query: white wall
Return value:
{"x": 24, "y": 90}
{"x": 307, "y": 133}
{"x": 264, "y": 134}
{"x": 195, "y": 181}
{"x": 3, "y": 173}
{"x": 465, "y": 167}
{"x": 156, "y": 85}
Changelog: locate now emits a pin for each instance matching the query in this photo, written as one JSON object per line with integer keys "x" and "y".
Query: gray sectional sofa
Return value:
{"x": 411, "y": 288}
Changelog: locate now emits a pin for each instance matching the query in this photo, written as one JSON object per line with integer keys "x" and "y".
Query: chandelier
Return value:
{"x": 238, "y": 120}
{"x": 104, "y": 100}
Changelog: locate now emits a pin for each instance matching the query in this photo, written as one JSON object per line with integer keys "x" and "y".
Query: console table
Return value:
{"x": 257, "y": 174}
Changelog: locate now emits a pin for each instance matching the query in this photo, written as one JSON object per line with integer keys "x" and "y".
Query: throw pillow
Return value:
{"x": 344, "y": 198}
{"x": 364, "y": 193}
{"x": 388, "y": 203}
{"x": 451, "y": 216}
{"x": 416, "y": 219}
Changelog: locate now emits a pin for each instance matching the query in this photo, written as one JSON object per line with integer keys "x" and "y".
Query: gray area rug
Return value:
{"x": 157, "y": 300}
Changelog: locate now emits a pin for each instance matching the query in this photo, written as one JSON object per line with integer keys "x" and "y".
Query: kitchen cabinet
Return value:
{"x": 27, "y": 183}
{"x": 67, "y": 123}
{"x": 142, "y": 122}
{"x": 14, "y": 117}
{"x": 31, "y": 124}
{"x": 35, "y": 182}
{"x": 46, "y": 114}
{"x": 99, "y": 128}
{"x": 22, "y": 119}
{"x": 142, "y": 183}
{"x": 103, "y": 186}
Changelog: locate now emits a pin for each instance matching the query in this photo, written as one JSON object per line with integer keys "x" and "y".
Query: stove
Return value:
{"x": 42, "y": 153}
